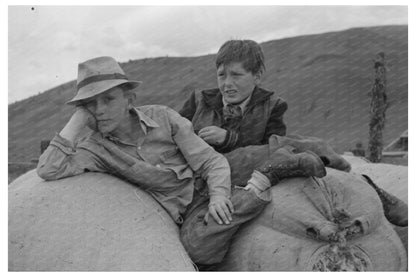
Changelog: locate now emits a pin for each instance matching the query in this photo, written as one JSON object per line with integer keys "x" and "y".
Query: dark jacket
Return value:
{"x": 262, "y": 117}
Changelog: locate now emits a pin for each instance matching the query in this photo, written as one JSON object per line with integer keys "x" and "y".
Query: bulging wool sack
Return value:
{"x": 90, "y": 222}
{"x": 392, "y": 178}
{"x": 331, "y": 224}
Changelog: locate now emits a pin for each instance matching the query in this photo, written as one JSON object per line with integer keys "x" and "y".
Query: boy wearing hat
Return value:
{"x": 155, "y": 148}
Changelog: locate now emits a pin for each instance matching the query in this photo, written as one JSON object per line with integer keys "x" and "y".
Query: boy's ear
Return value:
{"x": 131, "y": 97}
{"x": 257, "y": 77}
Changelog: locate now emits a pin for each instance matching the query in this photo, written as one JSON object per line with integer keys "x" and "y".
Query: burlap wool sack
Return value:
{"x": 333, "y": 224}
{"x": 392, "y": 178}
{"x": 91, "y": 222}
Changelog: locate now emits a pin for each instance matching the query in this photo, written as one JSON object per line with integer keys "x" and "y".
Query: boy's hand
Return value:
{"x": 78, "y": 121}
{"x": 220, "y": 208}
{"x": 213, "y": 135}
{"x": 86, "y": 117}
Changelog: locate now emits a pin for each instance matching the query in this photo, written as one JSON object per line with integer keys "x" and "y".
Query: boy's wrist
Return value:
{"x": 78, "y": 121}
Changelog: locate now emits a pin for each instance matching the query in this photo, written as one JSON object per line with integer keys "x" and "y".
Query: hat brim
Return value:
{"x": 96, "y": 88}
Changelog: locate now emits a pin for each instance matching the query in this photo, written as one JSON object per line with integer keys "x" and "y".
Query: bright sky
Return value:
{"x": 47, "y": 42}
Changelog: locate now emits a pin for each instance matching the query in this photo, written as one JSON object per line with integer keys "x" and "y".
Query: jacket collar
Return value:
{"x": 213, "y": 98}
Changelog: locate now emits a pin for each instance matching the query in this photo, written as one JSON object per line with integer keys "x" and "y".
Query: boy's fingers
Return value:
{"x": 214, "y": 214}
{"x": 206, "y": 218}
{"x": 226, "y": 211}
{"x": 203, "y": 131}
{"x": 222, "y": 212}
{"x": 230, "y": 207}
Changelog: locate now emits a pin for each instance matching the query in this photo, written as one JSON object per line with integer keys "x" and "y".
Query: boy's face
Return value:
{"x": 236, "y": 83}
{"x": 110, "y": 110}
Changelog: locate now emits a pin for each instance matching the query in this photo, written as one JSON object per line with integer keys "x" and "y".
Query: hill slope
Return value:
{"x": 325, "y": 78}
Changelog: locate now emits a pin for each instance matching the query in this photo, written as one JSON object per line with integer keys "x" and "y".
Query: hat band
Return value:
{"x": 102, "y": 77}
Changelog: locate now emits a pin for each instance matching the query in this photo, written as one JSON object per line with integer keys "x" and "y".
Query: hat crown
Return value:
{"x": 98, "y": 66}
{"x": 98, "y": 75}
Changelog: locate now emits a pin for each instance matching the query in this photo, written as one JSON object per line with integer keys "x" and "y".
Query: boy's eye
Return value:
{"x": 89, "y": 104}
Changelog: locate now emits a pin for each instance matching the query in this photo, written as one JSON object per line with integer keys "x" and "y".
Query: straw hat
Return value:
{"x": 98, "y": 75}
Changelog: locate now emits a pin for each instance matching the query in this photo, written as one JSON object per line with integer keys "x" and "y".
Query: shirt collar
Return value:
{"x": 145, "y": 119}
{"x": 145, "y": 123}
{"x": 242, "y": 105}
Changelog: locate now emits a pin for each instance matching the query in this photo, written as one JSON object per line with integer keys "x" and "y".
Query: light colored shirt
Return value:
{"x": 164, "y": 162}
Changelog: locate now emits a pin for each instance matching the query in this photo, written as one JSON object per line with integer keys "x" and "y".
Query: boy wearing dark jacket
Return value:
{"x": 238, "y": 113}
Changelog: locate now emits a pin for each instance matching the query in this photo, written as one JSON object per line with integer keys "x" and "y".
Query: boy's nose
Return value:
{"x": 228, "y": 82}
{"x": 99, "y": 108}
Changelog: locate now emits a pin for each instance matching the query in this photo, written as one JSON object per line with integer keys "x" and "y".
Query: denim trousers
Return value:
{"x": 208, "y": 243}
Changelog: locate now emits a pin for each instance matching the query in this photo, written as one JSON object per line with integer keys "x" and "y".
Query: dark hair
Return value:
{"x": 248, "y": 52}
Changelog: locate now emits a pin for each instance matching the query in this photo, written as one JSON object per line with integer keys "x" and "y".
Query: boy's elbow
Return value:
{"x": 45, "y": 174}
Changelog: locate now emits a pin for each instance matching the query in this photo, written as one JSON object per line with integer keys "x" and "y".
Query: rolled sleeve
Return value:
{"x": 200, "y": 156}
{"x": 62, "y": 159}
{"x": 63, "y": 144}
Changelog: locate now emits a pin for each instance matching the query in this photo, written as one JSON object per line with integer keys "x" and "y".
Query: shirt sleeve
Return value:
{"x": 62, "y": 159}
{"x": 200, "y": 156}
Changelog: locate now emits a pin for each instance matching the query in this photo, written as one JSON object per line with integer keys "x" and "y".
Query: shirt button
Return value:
{"x": 158, "y": 165}
{"x": 139, "y": 147}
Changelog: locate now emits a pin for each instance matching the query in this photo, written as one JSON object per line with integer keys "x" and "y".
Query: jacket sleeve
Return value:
{"x": 275, "y": 124}
{"x": 189, "y": 107}
{"x": 202, "y": 158}
{"x": 62, "y": 159}
{"x": 230, "y": 142}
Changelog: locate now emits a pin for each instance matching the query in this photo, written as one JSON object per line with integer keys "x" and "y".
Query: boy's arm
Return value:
{"x": 76, "y": 124}
{"x": 62, "y": 158}
{"x": 213, "y": 166}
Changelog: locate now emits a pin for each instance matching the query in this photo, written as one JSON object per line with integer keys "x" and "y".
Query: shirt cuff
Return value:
{"x": 223, "y": 193}
{"x": 221, "y": 188}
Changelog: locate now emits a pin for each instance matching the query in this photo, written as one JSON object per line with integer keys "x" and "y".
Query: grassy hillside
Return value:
{"x": 325, "y": 78}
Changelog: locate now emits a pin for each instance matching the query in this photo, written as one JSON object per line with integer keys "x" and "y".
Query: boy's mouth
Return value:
{"x": 231, "y": 92}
